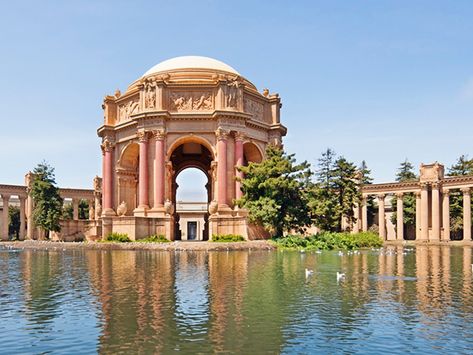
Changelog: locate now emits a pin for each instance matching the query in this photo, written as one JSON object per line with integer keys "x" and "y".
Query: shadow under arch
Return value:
{"x": 127, "y": 176}
{"x": 252, "y": 153}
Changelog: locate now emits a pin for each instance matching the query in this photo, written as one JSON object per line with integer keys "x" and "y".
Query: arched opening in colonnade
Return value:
{"x": 127, "y": 176}
{"x": 192, "y": 186}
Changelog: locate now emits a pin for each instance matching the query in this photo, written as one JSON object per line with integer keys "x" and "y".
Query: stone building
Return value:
{"x": 184, "y": 112}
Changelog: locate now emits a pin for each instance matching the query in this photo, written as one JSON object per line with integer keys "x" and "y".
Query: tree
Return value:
{"x": 14, "y": 224}
{"x": 335, "y": 192}
{"x": 47, "y": 201}
{"x": 275, "y": 192}
{"x": 83, "y": 209}
{"x": 366, "y": 179}
{"x": 463, "y": 166}
{"x": 405, "y": 173}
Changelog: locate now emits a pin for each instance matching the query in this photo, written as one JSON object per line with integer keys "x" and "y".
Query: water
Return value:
{"x": 416, "y": 300}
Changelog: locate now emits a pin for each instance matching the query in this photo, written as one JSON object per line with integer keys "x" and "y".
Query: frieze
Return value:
{"x": 191, "y": 101}
{"x": 254, "y": 108}
{"x": 127, "y": 109}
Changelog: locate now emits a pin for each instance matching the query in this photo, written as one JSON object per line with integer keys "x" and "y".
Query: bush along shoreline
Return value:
{"x": 123, "y": 238}
{"x": 329, "y": 241}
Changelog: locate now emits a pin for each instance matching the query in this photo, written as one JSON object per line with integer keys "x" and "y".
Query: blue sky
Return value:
{"x": 374, "y": 80}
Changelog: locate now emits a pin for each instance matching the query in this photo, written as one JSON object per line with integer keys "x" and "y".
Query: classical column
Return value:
{"x": 6, "y": 200}
{"x": 417, "y": 194}
{"x": 466, "y": 213}
{"x": 22, "y": 217}
{"x": 400, "y": 216}
{"x": 381, "y": 216}
{"x": 107, "y": 183}
{"x": 424, "y": 212}
{"x": 75, "y": 209}
{"x": 239, "y": 139}
{"x": 364, "y": 214}
{"x": 222, "y": 136}
{"x": 446, "y": 214}
{"x": 159, "y": 169}
{"x": 435, "y": 211}
{"x": 143, "y": 201}
{"x": 91, "y": 210}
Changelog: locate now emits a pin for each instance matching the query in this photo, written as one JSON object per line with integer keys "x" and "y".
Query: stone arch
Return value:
{"x": 127, "y": 176}
{"x": 191, "y": 139}
{"x": 252, "y": 153}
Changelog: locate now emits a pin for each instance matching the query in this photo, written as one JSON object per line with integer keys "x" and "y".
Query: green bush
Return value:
{"x": 117, "y": 237}
{"x": 330, "y": 241}
{"x": 154, "y": 239}
{"x": 227, "y": 238}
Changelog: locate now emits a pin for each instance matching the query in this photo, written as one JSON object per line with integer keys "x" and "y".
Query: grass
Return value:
{"x": 225, "y": 238}
{"x": 329, "y": 241}
{"x": 154, "y": 239}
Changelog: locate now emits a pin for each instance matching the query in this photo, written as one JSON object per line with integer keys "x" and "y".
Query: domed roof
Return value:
{"x": 190, "y": 62}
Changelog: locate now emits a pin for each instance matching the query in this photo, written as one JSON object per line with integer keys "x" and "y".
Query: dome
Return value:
{"x": 190, "y": 62}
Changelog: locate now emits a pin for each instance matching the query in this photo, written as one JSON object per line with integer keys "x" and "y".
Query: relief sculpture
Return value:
{"x": 253, "y": 107}
{"x": 128, "y": 109}
{"x": 150, "y": 94}
{"x": 188, "y": 101}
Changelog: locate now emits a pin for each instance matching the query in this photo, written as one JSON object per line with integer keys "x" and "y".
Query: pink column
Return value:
{"x": 159, "y": 170}
{"x": 107, "y": 187}
{"x": 222, "y": 166}
{"x": 143, "y": 174}
{"x": 239, "y": 138}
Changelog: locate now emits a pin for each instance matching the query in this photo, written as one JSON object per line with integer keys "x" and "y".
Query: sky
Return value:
{"x": 379, "y": 81}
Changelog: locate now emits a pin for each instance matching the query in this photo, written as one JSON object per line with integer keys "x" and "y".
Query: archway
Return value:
{"x": 127, "y": 176}
{"x": 191, "y": 217}
{"x": 252, "y": 153}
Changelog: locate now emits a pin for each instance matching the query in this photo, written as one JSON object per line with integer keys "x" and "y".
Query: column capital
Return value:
{"x": 240, "y": 136}
{"x": 142, "y": 136}
{"x": 465, "y": 190}
{"x": 381, "y": 196}
{"x": 417, "y": 193}
{"x": 221, "y": 134}
{"x": 5, "y": 196}
{"x": 446, "y": 192}
{"x": 399, "y": 194}
{"x": 436, "y": 184}
{"x": 108, "y": 143}
{"x": 159, "y": 134}
{"x": 424, "y": 185}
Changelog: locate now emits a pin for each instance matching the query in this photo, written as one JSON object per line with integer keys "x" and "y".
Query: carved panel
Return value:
{"x": 127, "y": 109}
{"x": 253, "y": 107}
{"x": 191, "y": 101}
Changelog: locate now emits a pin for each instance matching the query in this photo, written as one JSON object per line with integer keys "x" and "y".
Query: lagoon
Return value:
{"x": 394, "y": 299}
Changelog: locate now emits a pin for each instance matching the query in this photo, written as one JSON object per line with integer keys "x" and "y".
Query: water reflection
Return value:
{"x": 394, "y": 299}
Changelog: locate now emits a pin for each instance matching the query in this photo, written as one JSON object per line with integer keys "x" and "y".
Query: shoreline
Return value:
{"x": 171, "y": 246}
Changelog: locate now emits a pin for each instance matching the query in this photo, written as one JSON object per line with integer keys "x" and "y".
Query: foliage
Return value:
{"x": 330, "y": 241}
{"x": 83, "y": 209}
{"x": 227, "y": 238}
{"x": 405, "y": 173}
{"x": 67, "y": 211}
{"x": 463, "y": 166}
{"x": 366, "y": 179}
{"x": 275, "y": 192}
{"x": 14, "y": 222}
{"x": 154, "y": 239}
{"x": 117, "y": 237}
{"x": 335, "y": 193}
{"x": 47, "y": 201}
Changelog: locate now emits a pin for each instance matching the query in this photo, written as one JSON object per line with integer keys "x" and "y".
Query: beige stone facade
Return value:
{"x": 432, "y": 192}
{"x": 185, "y": 112}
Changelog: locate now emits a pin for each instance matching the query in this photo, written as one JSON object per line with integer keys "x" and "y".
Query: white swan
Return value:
{"x": 308, "y": 273}
{"x": 340, "y": 276}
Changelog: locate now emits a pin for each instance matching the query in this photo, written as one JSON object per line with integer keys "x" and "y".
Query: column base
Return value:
{"x": 108, "y": 212}
{"x": 157, "y": 211}
{"x": 141, "y": 211}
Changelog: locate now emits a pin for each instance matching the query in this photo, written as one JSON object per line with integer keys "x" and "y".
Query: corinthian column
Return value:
{"x": 424, "y": 212}
{"x": 381, "y": 217}
{"x": 400, "y": 216}
{"x": 143, "y": 201}
{"x": 159, "y": 169}
{"x": 222, "y": 137}
{"x": 466, "y": 213}
{"x": 418, "y": 207}
{"x": 107, "y": 187}
{"x": 5, "y": 199}
{"x": 239, "y": 139}
{"x": 446, "y": 214}
{"x": 364, "y": 214}
{"x": 435, "y": 211}
{"x": 22, "y": 217}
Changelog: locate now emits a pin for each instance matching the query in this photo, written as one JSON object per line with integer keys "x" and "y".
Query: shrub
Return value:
{"x": 227, "y": 238}
{"x": 330, "y": 241}
{"x": 117, "y": 237}
{"x": 154, "y": 239}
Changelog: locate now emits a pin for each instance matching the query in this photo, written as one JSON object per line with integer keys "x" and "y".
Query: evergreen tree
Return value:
{"x": 347, "y": 188}
{"x": 405, "y": 173}
{"x": 463, "y": 166}
{"x": 275, "y": 192}
{"x": 47, "y": 201}
{"x": 14, "y": 221}
{"x": 366, "y": 179}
